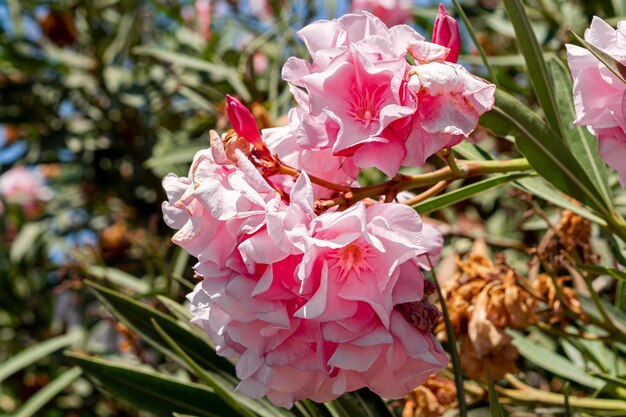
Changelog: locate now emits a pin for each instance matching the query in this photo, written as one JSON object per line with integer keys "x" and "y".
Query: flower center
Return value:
{"x": 351, "y": 258}
{"x": 365, "y": 105}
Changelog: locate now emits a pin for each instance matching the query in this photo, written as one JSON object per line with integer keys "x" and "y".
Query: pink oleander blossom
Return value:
{"x": 217, "y": 205}
{"x": 391, "y": 12}
{"x": 387, "y": 113}
{"x": 599, "y": 96}
{"x": 274, "y": 272}
{"x": 26, "y": 188}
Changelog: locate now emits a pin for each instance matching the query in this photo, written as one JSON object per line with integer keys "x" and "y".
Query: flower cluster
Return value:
{"x": 364, "y": 104}
{"x": 310, "y": 304}
{"x": 599, "y": 96}
{"x": 316, "y": 301}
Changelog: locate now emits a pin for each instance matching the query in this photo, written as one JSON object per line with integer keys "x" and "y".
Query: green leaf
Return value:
{"x": 221, "y": 391}
{"x": 583, "y": 144}
{"x": 611, "y": 63}
{"x": 26, "y": 239}
{"x": 481, "y": 51}
{"x": 542, "y": 189}
{"x": 151, "y": 391}
{"x": 47, "y": 393}
{"x": 181, "y": 155}
{"x": 537, "y": 68}
{"x": 543, "y": 149}
{"x": 452, "y": 348}
{"x": 218, "y": 72}
{"x": 261, "y": 407}
{"x": 614, "y": 380}
{"x": 34, "y": 353}
{"x": 118, "y": 277}
{"x": 466, "y": 192}
{"x": 552, "y": 362}
{"x": 363, "y": 403}
{"x": 536, "y": 186}
{"x": 601, "y": 270}
{"x": 495, "y": 409}
{"x": 139, "y": 316}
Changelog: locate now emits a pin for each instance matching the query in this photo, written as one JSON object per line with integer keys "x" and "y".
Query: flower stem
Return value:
{"x": 406, "y": 182}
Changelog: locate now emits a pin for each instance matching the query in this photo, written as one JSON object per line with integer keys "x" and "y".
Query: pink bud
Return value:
{"x": 243, "y": 122}
{"x": 446, "y": 33}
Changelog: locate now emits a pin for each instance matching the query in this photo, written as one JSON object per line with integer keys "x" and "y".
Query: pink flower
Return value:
{"x": 446, "y": 33}
{"x": 450, "y": 102}
{"x": 203, "y": 11}
{"x": 25, "y": 187}
{"x": 354, "y": 256}
{"x": 312, "y": 306}
{"x": 388, "y": 113}
{"x": 599, "y": 96}
{"x": 217, "y": 206}
{"x": 392, "y": 12}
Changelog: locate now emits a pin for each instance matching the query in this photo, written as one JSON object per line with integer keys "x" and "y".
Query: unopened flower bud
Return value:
{"x": 446, "y": 33}
{"x": 243, "y": 122}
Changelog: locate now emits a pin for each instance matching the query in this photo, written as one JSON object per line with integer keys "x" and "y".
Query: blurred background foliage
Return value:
{"x": 102, "y": 98}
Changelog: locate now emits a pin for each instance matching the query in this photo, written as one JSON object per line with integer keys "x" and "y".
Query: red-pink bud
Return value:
{"x": 446, "y": 33}
{"x": 243, "y": 122}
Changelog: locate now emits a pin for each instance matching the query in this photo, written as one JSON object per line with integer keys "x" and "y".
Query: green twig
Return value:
{"x": 492, "y": 74}
{"x": 452, "y": 347}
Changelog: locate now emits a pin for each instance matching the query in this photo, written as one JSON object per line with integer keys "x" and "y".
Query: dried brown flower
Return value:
{"x": 557, "y": 304}
{"x": 570, "y": 237}
{"x": 484, "y": 299}
{"x": 431, "y": 399}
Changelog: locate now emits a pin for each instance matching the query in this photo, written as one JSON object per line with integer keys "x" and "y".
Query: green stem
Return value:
{"x": 465, "y": 169}
{"x": 492, "y": 74}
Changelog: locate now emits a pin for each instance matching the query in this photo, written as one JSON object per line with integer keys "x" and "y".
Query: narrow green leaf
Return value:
{"x": 611, "y": 63}
{"x": 363, "y": 403}
{"x": 223, "y": 393}
{"x": 26, "y": 239}
{"x": 583, "y": 144}
{"x": 176, "y": 309}
{"x": 553, "y": 362}
{"x": 601, "y": 270}
{"x": 537, "y": 68}
{"x": 452, "y": 349}
{"x": 181, "y": 155}
{"x": 151, "y": 391}
{"x": 47, "y": 393}
{"x": 118, "y": 277}
{"x": 466, "y": 192}
{"x": 123, "y": 35}
{"x": 481, "y": 51}
{"x": 543, "y": 149}
{"x": 336, "y": 409}
{"x": 538, "y": 187}
{"x": 621, "y": 382}
{"x": 34, "y": 353}
{"x": 218, "y": 72}
{"x": 495, "y": 409}
{"x": 139, "y": 316}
